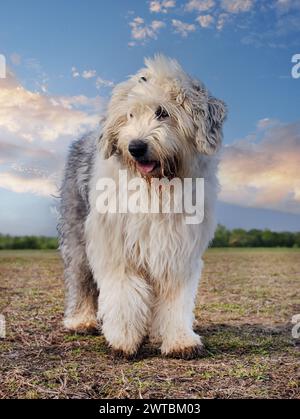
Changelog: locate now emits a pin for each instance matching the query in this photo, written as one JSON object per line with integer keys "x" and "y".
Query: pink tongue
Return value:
{"x": 146, "y": 167}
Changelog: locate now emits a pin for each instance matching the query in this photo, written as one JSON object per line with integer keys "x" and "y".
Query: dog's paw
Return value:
{"x": 122, "y": 338}
{"x": 186, "y": 347}
{"x": 125, "y": 350}
{"x": 189, "y": 352}
{"x": 80, "y": 326}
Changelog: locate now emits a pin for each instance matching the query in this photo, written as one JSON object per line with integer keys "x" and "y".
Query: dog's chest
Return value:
{"x": 160, "y": 244}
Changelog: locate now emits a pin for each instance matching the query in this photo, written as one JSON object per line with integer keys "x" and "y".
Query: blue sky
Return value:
{"x": 63, "y": 58}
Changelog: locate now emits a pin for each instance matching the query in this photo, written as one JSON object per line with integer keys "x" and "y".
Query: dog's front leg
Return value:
{"x": 174, "y": 317}
{"x": 124, "y": 310}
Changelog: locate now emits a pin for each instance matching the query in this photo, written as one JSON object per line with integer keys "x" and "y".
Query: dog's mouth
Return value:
{"x": 148, "y": 168}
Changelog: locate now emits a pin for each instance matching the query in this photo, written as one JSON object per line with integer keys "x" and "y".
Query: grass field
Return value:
{"x": 246, "y": 301}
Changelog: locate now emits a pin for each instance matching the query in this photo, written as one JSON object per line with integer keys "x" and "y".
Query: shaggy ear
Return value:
{"x": 210, "y": 123}
{"x": 107, "y": 141}
{"x": 208, "y": 114}
{"x": 116, "y": 112}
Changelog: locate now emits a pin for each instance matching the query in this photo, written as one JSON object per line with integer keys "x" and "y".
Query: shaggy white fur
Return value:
{"x": 147, "y": 266}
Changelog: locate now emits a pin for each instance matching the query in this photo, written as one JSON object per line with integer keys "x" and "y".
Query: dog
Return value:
{"x": 137, "y": 274}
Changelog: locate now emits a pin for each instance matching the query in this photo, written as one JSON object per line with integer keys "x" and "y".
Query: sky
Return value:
{"x": 63, "y": 59}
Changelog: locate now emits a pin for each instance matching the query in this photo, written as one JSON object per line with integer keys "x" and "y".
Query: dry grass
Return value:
{"x": 247, "y": 299}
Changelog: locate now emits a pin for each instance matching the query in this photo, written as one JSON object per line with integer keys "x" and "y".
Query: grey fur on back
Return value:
{"x": 74, "y": 208}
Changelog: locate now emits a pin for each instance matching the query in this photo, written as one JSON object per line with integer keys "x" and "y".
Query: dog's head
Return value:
{"x": 160, "y": 118}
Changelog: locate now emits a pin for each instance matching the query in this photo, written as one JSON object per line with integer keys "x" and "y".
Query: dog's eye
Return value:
{"x": 130, "y": 115}
{"x": 161, "y": 113}
{"x": 143, "y": 78}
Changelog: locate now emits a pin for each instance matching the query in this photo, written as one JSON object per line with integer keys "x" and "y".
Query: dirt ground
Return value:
{"x": 246, "y": 302}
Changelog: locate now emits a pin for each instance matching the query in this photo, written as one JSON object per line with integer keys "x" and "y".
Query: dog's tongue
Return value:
{"x": 146, "y": 167}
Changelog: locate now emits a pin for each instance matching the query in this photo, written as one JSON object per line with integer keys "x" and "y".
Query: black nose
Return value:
{"x": 137, "y": 148}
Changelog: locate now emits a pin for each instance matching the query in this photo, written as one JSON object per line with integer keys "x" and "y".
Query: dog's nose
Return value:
{"x": 137, "y": 148}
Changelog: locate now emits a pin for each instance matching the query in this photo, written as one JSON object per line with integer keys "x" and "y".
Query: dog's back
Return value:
{"x": 74, "y": 208}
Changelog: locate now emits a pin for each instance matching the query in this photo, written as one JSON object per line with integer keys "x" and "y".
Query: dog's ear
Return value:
{"x": 210, "y": 133}
{"x": 115, "y": 117}
{"x": 208, "y": 114}
{"x": 108, "y": 140}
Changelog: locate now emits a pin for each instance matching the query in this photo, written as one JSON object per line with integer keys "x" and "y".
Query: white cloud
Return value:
{"x": 262, "y": 170}
{"x": 141, "y": 31}
{"x": 35, "y": 131}
{"x": 89, "y": 74}
{"x": 205, "y": 21}
{"x": 157, "y": 24}
{"x": 103, "y": 83}
{"x": 41, "y": 186}
{"x": 75, "y": 72}
{"x": 157, "y": 6}
{"x": 92, "y": 74}
{"x": 33, "y": 116}
{"x": 220, "y": 13}
{"x": 266, "y": 123}
{"x": 183, "y": 28}
{"x": 90, "y": 104}
{"x": 283, "y": 21}
{"x": 282, "y": 30}
{"x": 237, "y": 6}
{"x": 199, "y": 5}
{"x": 222, "y": 20}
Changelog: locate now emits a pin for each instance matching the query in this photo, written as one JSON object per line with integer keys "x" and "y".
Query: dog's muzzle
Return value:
{"x": 138, "y": 149}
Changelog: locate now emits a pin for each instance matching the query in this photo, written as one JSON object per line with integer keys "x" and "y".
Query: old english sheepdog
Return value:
{"x": 136, "y": 273}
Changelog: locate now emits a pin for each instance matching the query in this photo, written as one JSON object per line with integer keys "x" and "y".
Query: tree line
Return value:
{"x": 223, "y": 238}
{"x": 254, "y": 238}
{"x": 27, "y": 242}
